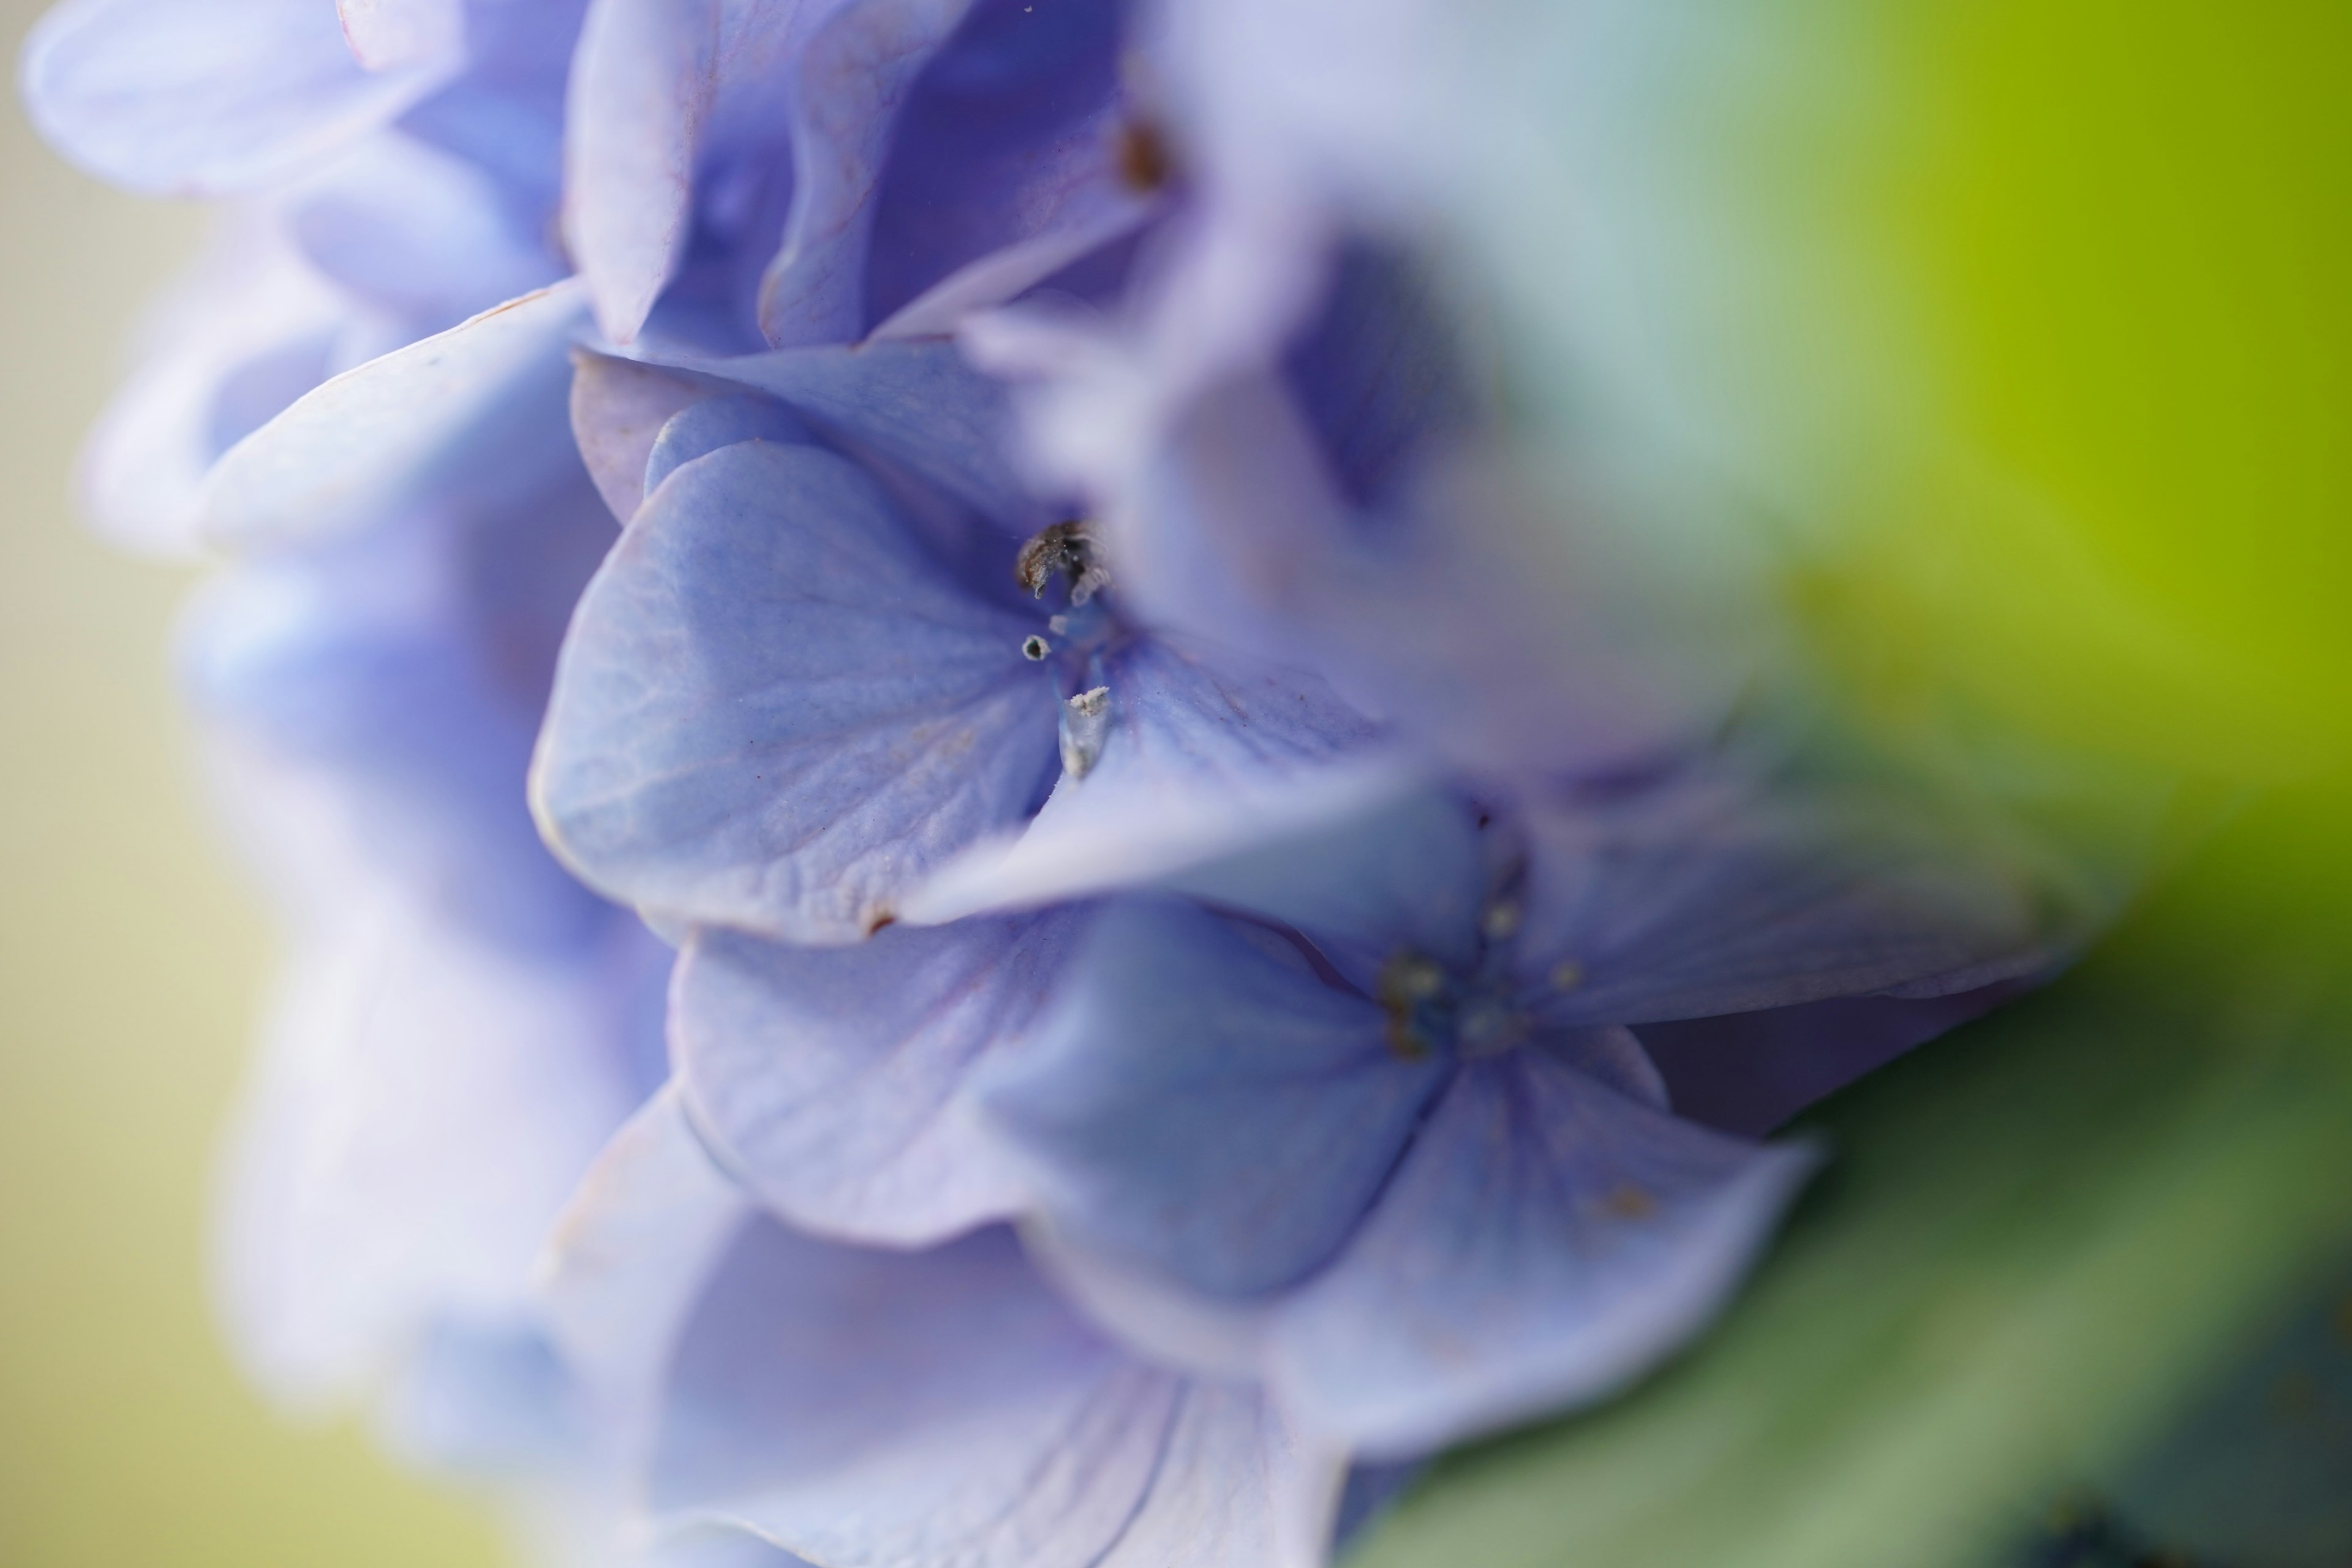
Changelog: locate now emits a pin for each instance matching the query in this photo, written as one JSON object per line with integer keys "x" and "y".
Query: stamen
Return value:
{"x": 1034, "y": 648}
{"x": 1567, "y": 974}
{"x": 1086, "y": 723}
{"x": 1501, "y": 921}
{"x": 1065, "y": 548}
{"x": 1407, "y": 982}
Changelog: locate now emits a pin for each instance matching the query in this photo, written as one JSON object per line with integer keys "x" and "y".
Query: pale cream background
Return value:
{"x": 132, "y": 959}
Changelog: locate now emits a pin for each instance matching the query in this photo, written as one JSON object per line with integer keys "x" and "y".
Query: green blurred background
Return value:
{"x": 132, "y": 962}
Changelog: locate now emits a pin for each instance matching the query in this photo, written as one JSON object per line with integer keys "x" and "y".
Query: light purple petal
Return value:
{"x": 834, "y": 1079}
{"x": 641, "y": 88}
{"x": 483, "y": 402}
{"x": 918, "y": 405}
{"x": 1688, "y": 900}
{"x": 1485, "y": 624}
{"x": 1410, "y": 873}
{"x": 619, "y": 410}
{"x": 250, "y": 328}
{"x": 657, "y": 88}
{"x": 1205, "y": 754}
{"x": 775, "y": 713}
{"x": 992, "y": 279}
{"x": 1203, "y": 1104}
{"x": 857, "y": 69}
{"x": 196, "y": 97}
{"x": 702, "y": 428}
{"x": 1236, "y": 1488}
{"x": 425, "y": 1105}
{"x": 420, "y": 233}
{"x": 1006, "y": 159}
{"x": 386, "y": 35}
{"x": 1546, "y": 1242}
{"x": 628, "y": 1262}
{"x": 875, "y": 1409}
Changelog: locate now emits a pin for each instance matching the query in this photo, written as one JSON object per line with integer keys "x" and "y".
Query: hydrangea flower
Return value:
{"x": 1198, "y": 892}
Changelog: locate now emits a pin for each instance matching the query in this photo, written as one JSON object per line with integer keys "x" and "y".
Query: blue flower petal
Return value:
{"x": 773, "y": 712}
{"x": 855, "y": 70}
{"x": 1237, "y": 1486}
{"x": 1546, "y": 1242}
{"x": 619, "y": 408}
{"x": 1203, "y": 1104}
{"x": 878, "y": 1409}
{"x": 641, "y": 90}
{"x": 195, "y": 97}
{"x": 918, "y": 405}
{"x": 700, "y": 429}
{"x": 1689, "y": 901}
{"x": 1410, "y": 873}
{"x": 833, "y": 1079}
{"x": 1004, "y": 163}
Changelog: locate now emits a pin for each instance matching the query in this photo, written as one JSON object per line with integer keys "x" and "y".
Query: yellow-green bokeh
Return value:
{"x": 2055, "y": 327}
{"x": 130, "y": 962}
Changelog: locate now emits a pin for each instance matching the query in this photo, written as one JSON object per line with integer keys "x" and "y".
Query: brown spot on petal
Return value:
{"x": 1627, "y": 1201}
{"x": 879, "y": 919}
{"x": 1140, "y": 154}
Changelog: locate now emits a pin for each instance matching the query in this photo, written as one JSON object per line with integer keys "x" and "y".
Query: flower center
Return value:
{"x": 1430, "y": 1010}
{"x": 1077, "y": 638}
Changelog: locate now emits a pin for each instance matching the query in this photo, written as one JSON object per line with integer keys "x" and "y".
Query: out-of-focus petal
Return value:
{"x": 249, "y": 330}
{"x": 1005, "y": 161}
{"x": 1546, "y": 1242}
{"x": 854, "y": 72}
{"x": 1237, "y": 1486}
{"x": 1746, "y": 1073}
{"x": 1202, "y": 1103}
{"x": 629, "y": 1260}
{"x": 416, "y": 231}
{"x": 193, "y": 98}
{"x": 992, "y": 279}
{"x": 484, "y": 401}
{"x": 1692, "y": 900}
{"x": 775, "y": 712}
{"x": 426, "y": 1104}
{"x": 386, "y": 35}
{"x": 880, "y": 1409}
{"x": 1206, "y": 756}
{"x": 834, "y": 1079}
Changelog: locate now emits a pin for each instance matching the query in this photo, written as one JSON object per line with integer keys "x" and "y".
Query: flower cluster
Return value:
{"x": 1238, "y": 914}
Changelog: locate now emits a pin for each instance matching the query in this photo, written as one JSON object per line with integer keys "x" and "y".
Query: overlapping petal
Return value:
{"x": 1546, "y": 1242}
{"x": 837, "y": 1081}
{"x": 1204, "y": 1104}
{"x": 1207, "y": 753}
{"x": 207, "y": 97}
{"x": 480, "y": 406}
{"x": 775, "y": 712}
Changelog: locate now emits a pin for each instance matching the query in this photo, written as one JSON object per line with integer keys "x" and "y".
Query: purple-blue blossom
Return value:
{"x": 1200, "y": 882}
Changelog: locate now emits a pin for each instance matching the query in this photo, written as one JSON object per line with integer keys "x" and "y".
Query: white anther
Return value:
{"x": 1086, "y": 722}
{"x": 1035, "y": 648}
